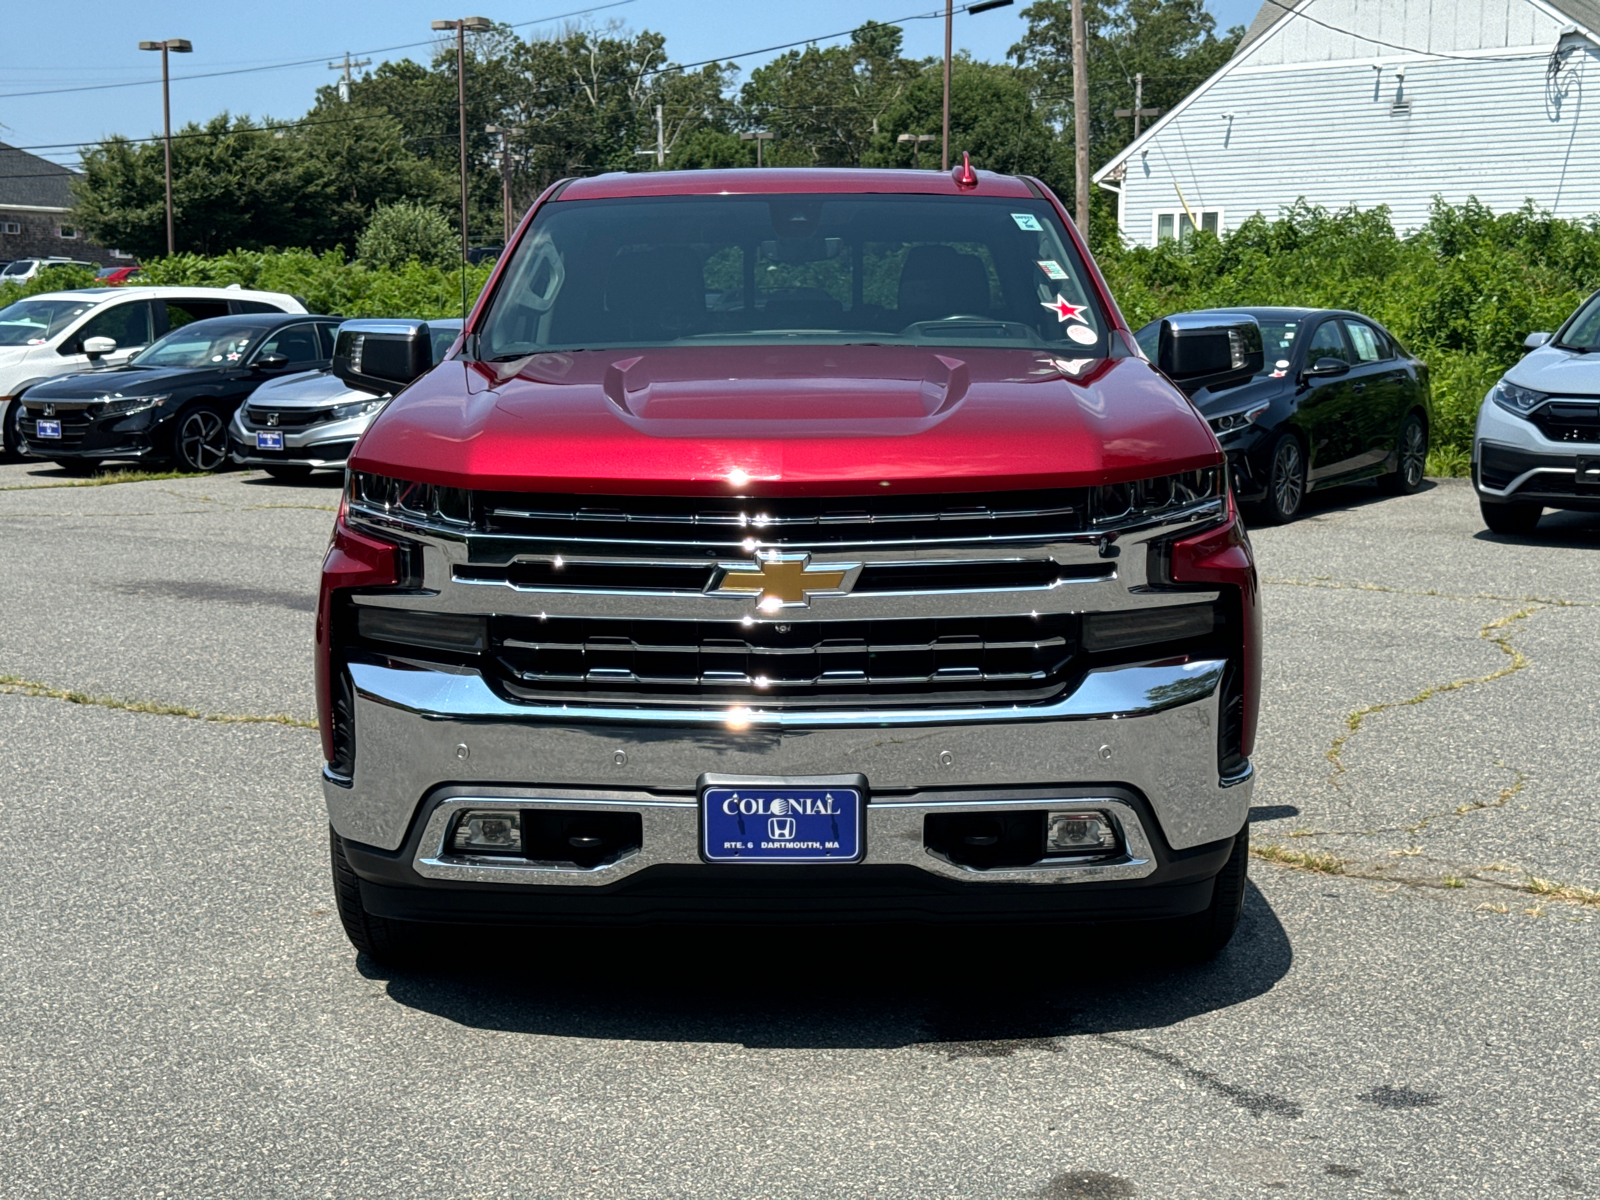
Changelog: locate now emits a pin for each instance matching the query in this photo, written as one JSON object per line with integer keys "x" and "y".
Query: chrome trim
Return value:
{"x": 1244, "y": 775}
{"x": 1516, "y": 483}
{"x": 893, "y": 835}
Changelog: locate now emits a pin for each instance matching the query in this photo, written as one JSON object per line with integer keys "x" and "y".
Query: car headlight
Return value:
{"x": 1516, "y": 399}
{"x": 1148, "y": 501}
{"x": 359, "y": 409}
{"x": 1235, "y": 421}
{"x": 402, "y": 498}
{"x": 119, "y": 405}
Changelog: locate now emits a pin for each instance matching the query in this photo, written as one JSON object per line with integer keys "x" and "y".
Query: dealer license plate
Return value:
{"x": 269, "y": 441}
{"x": 781, "y": 825}
{"x": 49, "y": 429}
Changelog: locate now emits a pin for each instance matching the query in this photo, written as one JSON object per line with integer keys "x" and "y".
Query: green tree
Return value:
{"x": 408, "y": 231}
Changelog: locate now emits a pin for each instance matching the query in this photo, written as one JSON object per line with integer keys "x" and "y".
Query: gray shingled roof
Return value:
{"x": 27, "y": 179}
{"x": 1584, "y": 12}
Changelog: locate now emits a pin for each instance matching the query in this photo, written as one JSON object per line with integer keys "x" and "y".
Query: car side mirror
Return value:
{"x": 96, "y": 346}
{"x": 1534, "y": 340}
{"x": 382, "y": 356}
{"x": 1198, "y": 351}
{"x": 1326, "y": 368}
{"x": 272, "y": 362}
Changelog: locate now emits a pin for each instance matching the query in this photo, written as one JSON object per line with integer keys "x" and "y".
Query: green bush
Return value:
{"x": 1461, "y": 292}
{"x": 404, "y": 232}
{"x": 51, "y": 279}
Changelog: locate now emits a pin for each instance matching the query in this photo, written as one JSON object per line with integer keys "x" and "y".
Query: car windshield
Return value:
{"x": 1583, "y": 330}
{"x": 794, "y": 269}
{"x": 35, "y": 322}
{"x": 200, "y": 344}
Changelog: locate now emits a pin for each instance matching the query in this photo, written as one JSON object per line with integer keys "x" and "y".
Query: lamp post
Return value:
{"x": 461, "y": 26}
{"x": 757, "y": 136}
{"x": 176, "y": 46}
{"x": 505, "y": 132}
{"x": 949, "y": 16}
{"x": 917, "y": 141}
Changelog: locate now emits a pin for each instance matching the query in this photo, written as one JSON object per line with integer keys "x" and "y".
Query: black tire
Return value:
{"x": 1411, "y": 458}
{"x": 1200, "y": 938}
{"x": 78, "y": 466}
{"x": 392, "y": 943}
{"x": 1286, "y": 481}
{"x": 11, "y": 431}
{"x": 200, "y": 439}
{"x": 1513, "y": 519}
{"x": 289, "y": 474}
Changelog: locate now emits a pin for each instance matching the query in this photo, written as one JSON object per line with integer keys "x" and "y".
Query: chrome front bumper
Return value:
{"x": 303, "y": 446}
{"x": 1149, "y": 729}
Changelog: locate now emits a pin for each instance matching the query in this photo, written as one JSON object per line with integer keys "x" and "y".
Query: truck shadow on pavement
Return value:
{"x": 986, "y": 992}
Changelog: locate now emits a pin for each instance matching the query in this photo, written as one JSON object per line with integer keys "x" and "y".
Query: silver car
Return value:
{"x": 312, "y": 420}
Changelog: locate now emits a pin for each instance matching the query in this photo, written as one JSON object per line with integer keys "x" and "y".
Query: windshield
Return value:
{"x": 35, "y": 322}
{"x": 200, "y": 344}
{"x": 1582, "y": 331}
{"x": 773, "y": 270}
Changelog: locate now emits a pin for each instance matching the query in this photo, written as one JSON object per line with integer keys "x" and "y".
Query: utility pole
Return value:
{"x": 505, "y": 132}
{"x": 660, "y": 152}
{"x": 972, "y": 10}
{"x": 758, "y": 136}
{"x": 477, "y": 25}
{"x": 345, "y": 66}
{"x": 1080, "y": 113}
{"x": 1138, "y": 110}
{"x": 177, "y": 46}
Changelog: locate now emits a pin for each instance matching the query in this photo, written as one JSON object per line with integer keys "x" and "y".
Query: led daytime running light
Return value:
{"x": 1143, "y": 501}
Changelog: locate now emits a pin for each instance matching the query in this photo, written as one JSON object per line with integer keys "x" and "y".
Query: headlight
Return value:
{"x": 402, "y": 498}
{"x": 1235, "y": 421}
{"x": 1517, "y": 399}
{"x": 117, "y": 405}
{"x": 1147, "y": 501}
{"x": 359, "y": 409}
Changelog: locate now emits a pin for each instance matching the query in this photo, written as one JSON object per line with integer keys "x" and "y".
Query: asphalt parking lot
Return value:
{"x": 1408, "y": 1009}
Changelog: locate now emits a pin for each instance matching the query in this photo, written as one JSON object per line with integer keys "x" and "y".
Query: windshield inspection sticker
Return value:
{"x": 1082, "y": 334}
{"x": 1281, "y": 364}
{"x": 1052, "y": 268}
{"x": 1065, "y": 311}
{"x": 1028, "y": 222}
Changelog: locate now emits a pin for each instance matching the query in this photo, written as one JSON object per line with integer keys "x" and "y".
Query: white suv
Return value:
{"x": 60, "y": 333}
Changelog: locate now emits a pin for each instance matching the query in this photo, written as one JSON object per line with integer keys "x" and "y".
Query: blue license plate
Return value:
{"x": 49, "y": 429}
{"x": 269, "y": 441}
{"x": 781, "y": 825}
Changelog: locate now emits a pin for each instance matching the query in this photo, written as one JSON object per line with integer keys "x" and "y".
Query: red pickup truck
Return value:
{"x": 790, "y": 545}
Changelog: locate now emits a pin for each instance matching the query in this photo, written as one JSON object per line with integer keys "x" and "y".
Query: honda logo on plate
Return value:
{"x": 780, "y": 829}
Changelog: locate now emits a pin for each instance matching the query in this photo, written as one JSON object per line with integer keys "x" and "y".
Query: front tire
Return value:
{"x": 392, "y": 943}
{"x": 1512, "y": 519}
{"x": 200, "y": 440}
{"x": 1200, "y": 938}
{"x": 11, "y": 431}
{"x": 1411, "y": 453}
{"x": 1286, "y": 481}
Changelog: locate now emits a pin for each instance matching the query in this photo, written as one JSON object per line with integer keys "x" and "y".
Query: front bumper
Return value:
{"x": 325, "y": 444}
{"x": 1513, "y": 462}
{"x": 1139, "y": 742}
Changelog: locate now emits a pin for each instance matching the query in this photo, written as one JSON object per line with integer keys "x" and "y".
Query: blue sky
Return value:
{"x": 229, "y": 37}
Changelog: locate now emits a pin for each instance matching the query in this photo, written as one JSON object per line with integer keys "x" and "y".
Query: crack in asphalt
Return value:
{"x": 1330, "y": 584}
{"x": 12, "y": 685}
{"x": 1253, "y": 1102}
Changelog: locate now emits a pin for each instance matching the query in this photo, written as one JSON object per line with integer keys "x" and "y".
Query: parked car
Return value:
{"x": 118, "y": 276}
{"x": 904, "y": 588}
{"x": 311, "y": 420}
{"x": 1537, "y": 442}
{"x": 60, "y": 333}
{"x": 23, "y": 269}
{"x": 1338, "y": 399}
{"x": 172, "y": 401}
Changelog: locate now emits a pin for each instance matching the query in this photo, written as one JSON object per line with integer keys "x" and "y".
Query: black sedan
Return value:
{"x": 1338, "y": 399}
{"x": 172, "y": 401}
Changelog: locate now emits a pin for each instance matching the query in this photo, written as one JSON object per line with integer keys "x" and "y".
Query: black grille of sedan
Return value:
{"x": 286, "y": 418}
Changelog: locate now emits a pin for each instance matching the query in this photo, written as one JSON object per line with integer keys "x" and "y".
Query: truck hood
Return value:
{"x": 787, "y": 420}
{"x": 1557, "y": 371}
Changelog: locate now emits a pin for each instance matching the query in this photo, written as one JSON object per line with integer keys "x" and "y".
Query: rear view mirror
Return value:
{"x": 382, "y": 356}
{"x": 1326, "y": 368}
{"x": 96, "y": 346}
{"x": 1534, "y": 340}
{"x": 1216, "y": 351}
{"x": 272, "y": 362}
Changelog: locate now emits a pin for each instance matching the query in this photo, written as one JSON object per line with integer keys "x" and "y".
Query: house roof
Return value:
{"x": 26, "y": 180}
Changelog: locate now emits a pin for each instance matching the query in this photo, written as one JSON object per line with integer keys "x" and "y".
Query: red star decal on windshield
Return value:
{"x": 1063, "y": 310}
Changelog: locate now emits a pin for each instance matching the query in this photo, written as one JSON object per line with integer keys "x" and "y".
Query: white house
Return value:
{"x": 1372, "y": 102}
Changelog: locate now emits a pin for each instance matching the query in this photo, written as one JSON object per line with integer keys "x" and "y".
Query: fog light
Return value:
{"x": 491, "y": 832}
{"x": 1080, "y": 833}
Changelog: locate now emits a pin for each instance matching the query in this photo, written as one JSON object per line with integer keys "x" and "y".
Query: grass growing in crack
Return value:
{"x": 15, "y": 686}
{"x": 108, "y": 478}
{"x": 1490, "y": 633}
{"x": 1565, "y": 892}
{"x": 1324, "y": 864}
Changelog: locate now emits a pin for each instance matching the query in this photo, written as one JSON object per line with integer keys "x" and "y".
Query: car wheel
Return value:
{"x": 1286, "y": 481}
{"x": 1201, "y": 937}
{"x": 11, "y": 432}
{"x": 393, "y": 943}
{"x": 1510, "y": 518}
{"x": 1411, "y": 453}
{"x": 290, "y": 474}
{"x": 78, "y": 466}
{"x": 200, "y": 440}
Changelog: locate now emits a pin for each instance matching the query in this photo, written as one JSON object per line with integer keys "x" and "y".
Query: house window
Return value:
{"x": 67, "y": 231}
{"x": 11, "y": 227}
{"x": 1177, "y": 223}
{"x": 125, "y": 255}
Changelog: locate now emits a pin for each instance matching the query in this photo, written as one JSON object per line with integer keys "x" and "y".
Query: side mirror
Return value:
{"x": 96, "y": 346}
{"x": 382, "y": 356}
{"x": 1534, "y": 340}
{"x": 272, "y": 362}
{"x": 1326, "y": 368}
{"x": 1197, "y": 350}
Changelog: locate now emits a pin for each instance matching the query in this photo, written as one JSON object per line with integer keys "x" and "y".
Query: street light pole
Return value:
{"x": 916, "y": 141}
{"x": 177, "y": 46}
{"x": 476, "y": 25}
{"x": 757, "y": 136}
{"x": 971, "y": 10}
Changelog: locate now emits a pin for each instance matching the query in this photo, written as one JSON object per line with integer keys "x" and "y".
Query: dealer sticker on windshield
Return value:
{"x": 1027, "y": 221}
{"x": 1052, "y": 268}
{"x": 781, "y": 825}
{"x": 269, "y": 441}
{"x": 49, "y": 429}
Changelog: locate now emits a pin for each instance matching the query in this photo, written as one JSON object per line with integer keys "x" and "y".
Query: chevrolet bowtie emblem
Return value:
{"x": 784, "y": 580}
